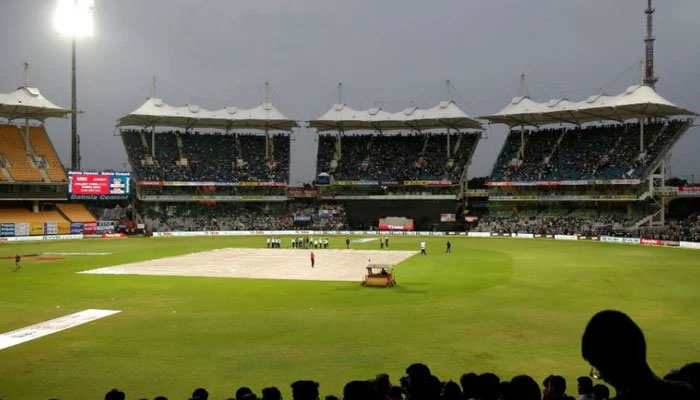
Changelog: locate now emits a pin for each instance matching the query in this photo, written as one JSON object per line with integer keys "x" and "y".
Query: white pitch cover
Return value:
{"x": 41, "y": 329}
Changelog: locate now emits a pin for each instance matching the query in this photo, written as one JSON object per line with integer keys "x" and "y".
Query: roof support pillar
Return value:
{"x": 267, "y": 143}
{"x": 339, "y": 144}
{"x": 522, "y": 142}
{"x": 153, "y": 142}
{"x": 26, "y": 136}
{"x": 448, "y": 135}
{"x": 641, "y": 136}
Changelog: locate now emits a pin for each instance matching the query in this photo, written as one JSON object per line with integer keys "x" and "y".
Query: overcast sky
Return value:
{"x": 389, "y": 53}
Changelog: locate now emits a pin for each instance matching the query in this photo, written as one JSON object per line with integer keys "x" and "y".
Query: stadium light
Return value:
{"x": 74, "y": 18}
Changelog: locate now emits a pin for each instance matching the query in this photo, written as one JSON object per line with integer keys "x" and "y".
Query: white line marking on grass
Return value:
{"x": 75, "y": 254}
{"x": 45, "y": 328}
{"x": 364, "y": 240}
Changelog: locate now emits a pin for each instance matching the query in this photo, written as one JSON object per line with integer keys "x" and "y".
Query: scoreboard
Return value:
{"x": 99, "y": 185}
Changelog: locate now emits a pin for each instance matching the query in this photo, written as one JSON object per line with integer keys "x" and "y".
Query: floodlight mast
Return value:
{"x": 74, "y": 18}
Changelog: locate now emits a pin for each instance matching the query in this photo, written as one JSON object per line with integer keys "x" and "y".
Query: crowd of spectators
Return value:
{"x": 686, "y": 229}
{"x": 244, "y": 216}
{"x": 591, "y": 225}
{"x": 612, "y": 343}
{"x": 584, "y": 153}
{"x": 396, "y": 157}
{"x": 207, "y": 157}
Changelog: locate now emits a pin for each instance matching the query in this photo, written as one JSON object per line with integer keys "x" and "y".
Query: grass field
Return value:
{"x": 500, "y": 305}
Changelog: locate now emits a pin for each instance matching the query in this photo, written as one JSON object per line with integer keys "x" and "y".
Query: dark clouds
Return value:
{"x": 387, "y": 53}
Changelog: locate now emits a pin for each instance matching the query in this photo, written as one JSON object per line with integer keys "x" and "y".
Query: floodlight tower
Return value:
{"x": 74, "y": 18}
{"x": 649, "y": 77}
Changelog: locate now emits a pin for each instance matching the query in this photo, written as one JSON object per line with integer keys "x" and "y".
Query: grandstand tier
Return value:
{"x": 75, "y": 212}
{"x": 37, "y": 164}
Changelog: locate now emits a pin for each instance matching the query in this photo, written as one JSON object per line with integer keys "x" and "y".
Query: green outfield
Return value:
{"x": 502, "y": 305}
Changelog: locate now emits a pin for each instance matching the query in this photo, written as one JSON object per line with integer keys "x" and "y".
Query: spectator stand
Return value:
{"x": 591, "y": 154}
{"x": 32, "y": 178}
{"x": 375, "y": 148}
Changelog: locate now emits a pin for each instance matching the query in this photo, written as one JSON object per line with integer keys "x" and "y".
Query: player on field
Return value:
{"x": 347, "y": 243}
{"x": 422, "y": 249}
{"x": 313, "y": 259}
{"x": 18, "y": 258}
{"x": 448, "y": 249}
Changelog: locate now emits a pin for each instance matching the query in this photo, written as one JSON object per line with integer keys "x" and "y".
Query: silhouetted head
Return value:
{"x": 305, "y": 390}
{"x": 451, "y": 391}
{"x": 357, "y": 390}
{"x": 601, "y": 392}
{"x": 615, "y": 345}
{"x": 242, "y": 391}
{"x": 690, "y": 373}
{"x": 585, "y": 385}
{"x": 557, "y": 386}
{"x": 200, "y": 394}
{"x": 523, "y": 387}
{"x": 470, "y": 383}
{"x": 271, "y": 393}
{"x": 488, "y": 386}
{"x": 115, "y": 394}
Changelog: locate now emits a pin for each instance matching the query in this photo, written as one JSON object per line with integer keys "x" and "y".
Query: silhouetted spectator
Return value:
{"x": 242, "y": 391}
{"x": 271, "y": 393}
{"x": 381, "y": 385}
{"x": 470, "y": 384}
{"x": 614, "y": 345}
{"x": 585, "y": 388}
{"x": 305, "y": 390}
{"x": 395, "y": 393}
{"x": 250, "y": 396}
{"x": 115, "y": 394}
{"x": 331, "y": 397}
{"x": 200, "y": 394}
{"x": 451, "y": 391}
{"x": 523, "y": 387}
{"x": 601, "y": 392}
{"x": 690, "y": 373}
{"x": 555, "y": 388}
{"x": 504, "y": 390}
{"x": 488, "y": 386}
{"x": 161, "y": 398}
{"x": 358, "y": 390}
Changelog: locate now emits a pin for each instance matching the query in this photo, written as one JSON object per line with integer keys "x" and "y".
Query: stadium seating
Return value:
{"x": 43, "y": 147}
{"x": 398, "y": 157}
{"x": 20, "y": 168}
{"x": 75, "y": 212}
{"x": 241, "y": 216}
{"x": 209, "y": 157}
{"x": 576, "y": 222}
{"x": 593, "y": 152}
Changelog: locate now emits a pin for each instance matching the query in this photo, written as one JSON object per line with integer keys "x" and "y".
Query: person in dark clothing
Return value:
{"x": 18, "y": 260}
{"x": 448, "y": 249}
{"x": 614, "y": 345}
{"x": 347, "y": 243}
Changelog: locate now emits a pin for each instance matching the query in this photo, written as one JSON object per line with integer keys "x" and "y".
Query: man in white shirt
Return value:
{"x": 422, "y": 249}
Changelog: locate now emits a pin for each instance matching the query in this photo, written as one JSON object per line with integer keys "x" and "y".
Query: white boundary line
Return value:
{"x": 45, "y": 328}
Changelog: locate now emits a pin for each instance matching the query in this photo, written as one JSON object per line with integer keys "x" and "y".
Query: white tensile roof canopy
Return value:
{"x": 155, "y": 112}
{"x": 28, "y": 103}
{"x": 636, "y": 102}
{"x": 444, "y": 115}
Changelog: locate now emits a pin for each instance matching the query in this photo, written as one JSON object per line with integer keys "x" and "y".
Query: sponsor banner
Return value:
{"x": 564, "y": 198}
{"x": 42, "y": 238}
{"x": 614, "y": 239}
{"x": 7, "y": 229}
{"x": 36, "y": 228}
{"x": 390, "y": 183}
{"x": 113, "y": 236}
{"x": 302, "y": 218}
{"x": 90, "y": 227}
{"x": 689, "y": 188}
{"x": 690, "y": 245}
{"x": 524, "y": 235}
{"x": 470, "y": 218}
{"x": 187, "y": 183}
{"x": 22, "y": 229}
{"x": 105, "y": 227}
{"x": 356, "y": 183}
{"x": 658, "y": 242}
{"x": 448, "y": 217}
{"x": 565, "y": 237}
{"x": 567, "y": 183}
{"x": 477, "y": 193}
{"x": 428, "y": 183}
{"x": 76, "y": 227}
{"x": 32, "y": 332}
{"x": 50, "y": 228}
{"x": 304, "y": 193}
